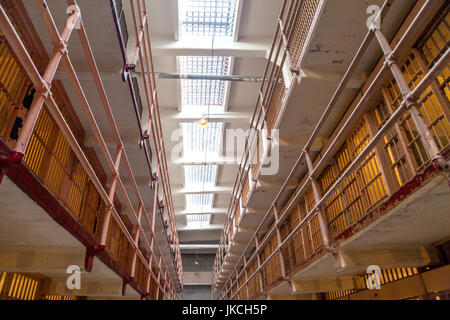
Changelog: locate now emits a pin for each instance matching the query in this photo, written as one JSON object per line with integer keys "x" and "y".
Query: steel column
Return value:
{"x": 324, "y": 230}
{"x": 411, "y": 102}
{"x": 42, "y": 92}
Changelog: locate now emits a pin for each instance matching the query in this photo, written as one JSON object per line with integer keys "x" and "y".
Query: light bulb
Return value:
{"x": 203, "y": 122}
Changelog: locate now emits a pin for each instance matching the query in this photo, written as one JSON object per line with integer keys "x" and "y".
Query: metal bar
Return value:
{"x": 185, "y": 76}
{"x": 255, "y": 119}
{"x": 411, "y": 102}
{"x": 43, "y": 89}
{"x": 127, "y": 77}
{"x": 425, "y": 82}
{"x": 390, "y": 122}
{"x": 136, "y": 240}
{"x": 150, "y": 103}
{"x": 325, "y": 232}
{"x": 112, "y": 191}
{"x": 99, "y": 84}
{"x": 29, "y": 66}
{"x": 161, "y": 147}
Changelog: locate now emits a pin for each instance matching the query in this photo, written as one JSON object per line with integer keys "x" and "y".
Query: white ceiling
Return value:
{"x": 248, "y": 52}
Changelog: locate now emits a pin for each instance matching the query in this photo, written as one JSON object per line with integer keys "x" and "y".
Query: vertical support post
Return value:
{"x": 112, "y": 190}
{"x": 246, "y": 278}
{"x": 159, "y": 276}
{"x": 380, "y": 155}
{"x": 165, "y": 285}
{"x": 325, "y": 232}
{"x": 282, "y": 265}
{"x": 42, "y": 93}
{"x": 261, "y": 283}
{"x": 155, "y": 203}
{"x": 150, "y": 262}
{"x": 136, "y": 241}
{"x": 411, "y": 102}
{"x": 398, "y": 130}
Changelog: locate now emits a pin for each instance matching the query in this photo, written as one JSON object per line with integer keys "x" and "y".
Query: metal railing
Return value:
{"x": 43, "y": 95}
{"x": 143, "y": 54}
{"x": 294, "y": 16}
{"x": 277, "y": 56}
{"x": 409, "y": 103}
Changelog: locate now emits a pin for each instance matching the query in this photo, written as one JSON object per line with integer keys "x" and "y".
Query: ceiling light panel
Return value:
{"x": 200, "y": 175}
{"x": 199, "y": 95}
{"x": 201, "y": 142}
{"x": 206, "y": 18}
{"x": 199, "y": 201}
{"x": 198, "y": 218}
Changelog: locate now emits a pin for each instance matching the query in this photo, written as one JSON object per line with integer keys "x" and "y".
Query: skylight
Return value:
{"x": 197, "y": 95}
{"x": 199, "y": 175}
{"x": 199, "y": 201}
{"x": 201, "y": 142}
{"x": 205, "y": 18}
{"x": 198, "y": 220}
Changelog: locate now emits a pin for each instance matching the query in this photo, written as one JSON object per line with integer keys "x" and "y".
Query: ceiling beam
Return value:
{"x": 217, "y": 161}
{"x": 211, "y": 227}
{"x": 230, "y": 117}
{"x": 198, "y": 246}
{"x": 197, "y": 190}
{"x": 246, "y": 47}
{"x": 208, "y": 211}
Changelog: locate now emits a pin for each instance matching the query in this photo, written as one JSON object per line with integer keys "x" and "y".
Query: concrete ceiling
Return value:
{"x": 248, "y": 51}
{"x": 101, "y": 30}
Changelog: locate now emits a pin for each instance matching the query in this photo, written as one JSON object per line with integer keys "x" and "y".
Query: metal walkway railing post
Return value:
{"x": 411, "y": 101}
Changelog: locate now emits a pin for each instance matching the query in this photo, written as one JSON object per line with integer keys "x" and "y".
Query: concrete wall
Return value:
{"x": 196, "y": 292}
{"x": 206, "y": 262}
{"x": 205, "y": 265}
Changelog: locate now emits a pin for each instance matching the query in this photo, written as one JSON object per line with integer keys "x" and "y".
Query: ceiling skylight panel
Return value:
{"x": 201, "y": 94}
{"x": 199, "y": 175}
{"x": 199, "y": 201}
{"x": 201, "y": 142}
{"x": 205, "y": 18}
{"x": 198, "y": 220}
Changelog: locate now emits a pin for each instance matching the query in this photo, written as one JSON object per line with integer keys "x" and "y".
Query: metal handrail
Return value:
{"x": 257, "y": 116}
{"x": 43, "y": 85}
{"x": 145, "y": 56}
{"x": 425, "y": 82}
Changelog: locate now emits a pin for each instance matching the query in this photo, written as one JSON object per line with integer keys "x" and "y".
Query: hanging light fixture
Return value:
{"x": 196, "y": 258}
{"x": 203, "y": 122}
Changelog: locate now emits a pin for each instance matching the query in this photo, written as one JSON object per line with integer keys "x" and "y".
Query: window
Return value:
{"x": 199, "y": 201}
{"x": 205, "y": 18}
{"x": 198, "y": 95}
{"x": 201, "y": 142}
{"x": 200, "y": 175}
{"x": 198, "y": 220}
